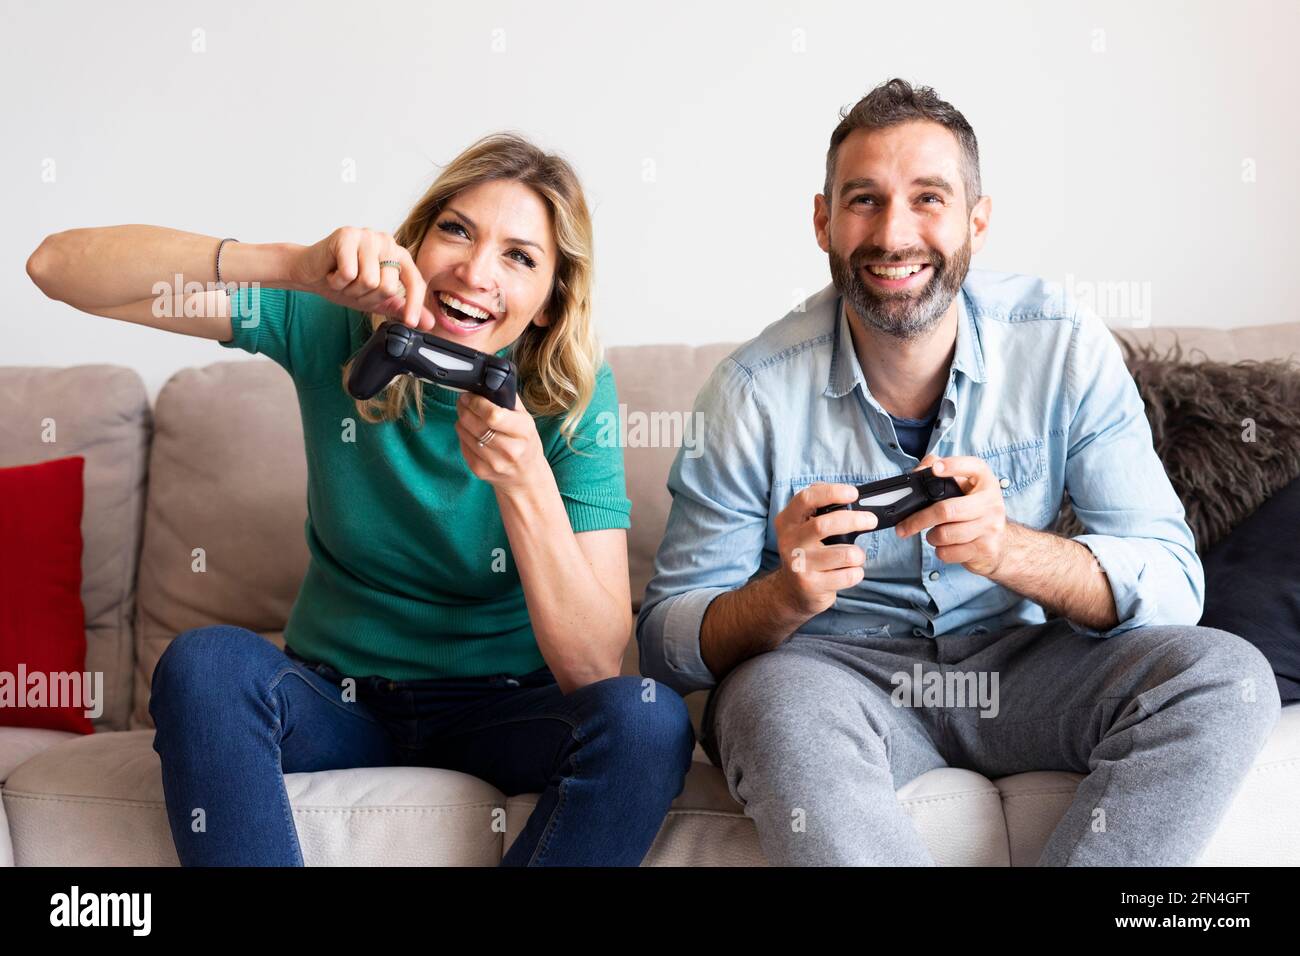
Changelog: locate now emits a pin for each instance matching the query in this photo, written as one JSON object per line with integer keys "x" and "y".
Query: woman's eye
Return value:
{"x": 524, "y": 258}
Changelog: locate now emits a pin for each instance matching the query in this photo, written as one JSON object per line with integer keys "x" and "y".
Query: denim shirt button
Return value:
{"x": 934, "y": 575}
{"x": 1004, "y": 482}
{"x": 918, "y": 632}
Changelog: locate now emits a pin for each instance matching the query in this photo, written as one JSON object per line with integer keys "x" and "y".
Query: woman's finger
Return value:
{"x": 390, "y": 279}
{"x": 412, "y": 290}
{"x": 362, "y": 290}
{"x": 345, "y": 260}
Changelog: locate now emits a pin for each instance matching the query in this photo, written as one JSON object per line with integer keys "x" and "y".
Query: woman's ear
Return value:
{"x": 541, "y": 319}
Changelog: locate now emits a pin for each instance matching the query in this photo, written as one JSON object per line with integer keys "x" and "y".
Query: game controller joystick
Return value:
{"x": 395, "y": 348}
{"x": 893, "y": 499}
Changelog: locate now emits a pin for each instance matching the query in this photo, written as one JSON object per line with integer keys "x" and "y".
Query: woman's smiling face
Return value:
{"x": 489, "y": 252}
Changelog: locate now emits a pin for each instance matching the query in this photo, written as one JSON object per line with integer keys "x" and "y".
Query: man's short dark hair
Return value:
{"x": 897, "y": 101}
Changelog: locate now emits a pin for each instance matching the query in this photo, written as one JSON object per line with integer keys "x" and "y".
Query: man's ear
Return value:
{"x": 979, "y": 223}
{"x": 821, "y": 221}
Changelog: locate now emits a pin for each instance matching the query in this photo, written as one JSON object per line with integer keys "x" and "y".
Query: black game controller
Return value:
{"x": 395, "y": 348}
{"x": 893, "y": 499}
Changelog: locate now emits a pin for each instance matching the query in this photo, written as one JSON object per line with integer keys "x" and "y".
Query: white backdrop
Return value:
{"x": 1142, "y": 153}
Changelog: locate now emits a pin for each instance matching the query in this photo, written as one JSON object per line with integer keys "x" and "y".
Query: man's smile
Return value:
{"x": 898, "y": 276}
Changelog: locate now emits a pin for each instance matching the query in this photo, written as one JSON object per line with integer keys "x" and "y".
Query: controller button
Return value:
{"x": 934, "y": 575}
{"x": 493, "y": 377}
{"x": 934, "y": 488}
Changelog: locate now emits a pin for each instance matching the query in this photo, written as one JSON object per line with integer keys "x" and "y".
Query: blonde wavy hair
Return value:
{"x": 557, "y": 362}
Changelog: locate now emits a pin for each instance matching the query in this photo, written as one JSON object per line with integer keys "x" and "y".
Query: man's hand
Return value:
{"x": 813, "y": 573}
{"x": 971, "y": 530}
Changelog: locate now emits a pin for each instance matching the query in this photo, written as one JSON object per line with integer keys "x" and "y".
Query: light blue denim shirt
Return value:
{"x": 1037, "y": 387}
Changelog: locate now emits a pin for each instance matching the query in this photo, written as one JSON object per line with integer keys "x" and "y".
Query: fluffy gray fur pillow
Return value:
{"x": 1198, "y": 412}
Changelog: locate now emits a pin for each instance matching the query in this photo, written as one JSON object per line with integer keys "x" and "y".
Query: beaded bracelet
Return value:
{"x": 225, "y": 287}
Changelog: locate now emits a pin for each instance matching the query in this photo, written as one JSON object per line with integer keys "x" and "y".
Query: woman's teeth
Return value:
{"x": 895, "y": 272}
{"x": 462, "y": 313}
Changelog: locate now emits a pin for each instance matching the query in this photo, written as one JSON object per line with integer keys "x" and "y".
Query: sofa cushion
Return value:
{"x": 1252, "y": 585}
{"x": 224, "y": 535}
{"x": 98, "y": 801}
{"x": 100, "y": 412}
{"x": 657, "y": 385}
{"x": 20, "y": 744}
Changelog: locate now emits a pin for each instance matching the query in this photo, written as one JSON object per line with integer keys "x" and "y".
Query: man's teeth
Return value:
{"x": 895, "y": 272}
{"x": 469, "y": 310}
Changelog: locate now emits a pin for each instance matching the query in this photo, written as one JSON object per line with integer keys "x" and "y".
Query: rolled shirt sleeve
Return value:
{"x": 260, "y": 320}
{"x": 1135, "y": 524}
{"x": 717, "y": 526}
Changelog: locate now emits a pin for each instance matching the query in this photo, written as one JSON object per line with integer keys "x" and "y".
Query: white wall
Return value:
{"x": 1113, "y": 136}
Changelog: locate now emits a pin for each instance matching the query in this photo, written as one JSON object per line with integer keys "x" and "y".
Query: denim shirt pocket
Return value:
{"x": 868, "y": 541}
{"x": 1021, "y": 469}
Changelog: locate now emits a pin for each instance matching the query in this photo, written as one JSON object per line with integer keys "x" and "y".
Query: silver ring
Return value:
{"x": 486, "y": 437}
{"x": 390, "y": 262}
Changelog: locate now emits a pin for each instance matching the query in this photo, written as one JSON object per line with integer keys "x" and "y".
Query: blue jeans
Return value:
{"x": 233, "y": 714}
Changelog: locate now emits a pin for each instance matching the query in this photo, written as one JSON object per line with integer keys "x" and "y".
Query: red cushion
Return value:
{"x": 42, "y": 621}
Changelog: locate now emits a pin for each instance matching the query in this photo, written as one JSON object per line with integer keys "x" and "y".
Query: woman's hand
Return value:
{"x": 344, "y": 268}
{"x": 513, "y": 459}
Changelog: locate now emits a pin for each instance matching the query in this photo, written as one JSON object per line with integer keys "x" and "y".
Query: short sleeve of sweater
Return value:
{"x": 304, "y": 334}
{"x": 590, "y": 475}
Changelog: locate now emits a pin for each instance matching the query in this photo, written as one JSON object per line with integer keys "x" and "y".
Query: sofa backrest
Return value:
{"x": 100, "y": 412}
{"x": 225, "y": 501}
{"x": 223, "y": 533}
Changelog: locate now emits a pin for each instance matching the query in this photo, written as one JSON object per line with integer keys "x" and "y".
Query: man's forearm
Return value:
{"x": 745, "y": 622}
{"x": 1060, "y": 574}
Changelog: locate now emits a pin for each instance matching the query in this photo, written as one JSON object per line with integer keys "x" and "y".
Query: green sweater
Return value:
{"x": 411, "y": 574}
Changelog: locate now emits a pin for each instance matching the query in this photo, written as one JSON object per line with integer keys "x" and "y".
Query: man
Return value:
{"x": 822, "y": 658}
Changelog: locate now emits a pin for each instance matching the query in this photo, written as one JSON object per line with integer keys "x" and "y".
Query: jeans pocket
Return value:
{"x": 853, "y": 635}
{"x": 316, "y": 667}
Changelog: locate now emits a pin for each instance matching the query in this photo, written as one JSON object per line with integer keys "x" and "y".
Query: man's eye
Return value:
{"x": 933, "y": 196}
{"x": 860, "y": 198}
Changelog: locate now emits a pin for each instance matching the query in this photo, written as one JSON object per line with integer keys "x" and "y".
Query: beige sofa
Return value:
{"x": 218, "y": 463}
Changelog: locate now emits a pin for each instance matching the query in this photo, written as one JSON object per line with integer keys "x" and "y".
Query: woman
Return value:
{"x": 466, "y": 604}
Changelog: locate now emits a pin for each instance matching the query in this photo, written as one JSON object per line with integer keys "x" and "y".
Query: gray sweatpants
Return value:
{"x": 815, "y": 736}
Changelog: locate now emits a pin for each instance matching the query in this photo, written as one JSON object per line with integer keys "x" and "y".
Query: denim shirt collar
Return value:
{"x": 846, "y": 372}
